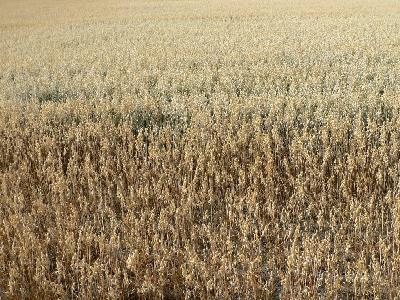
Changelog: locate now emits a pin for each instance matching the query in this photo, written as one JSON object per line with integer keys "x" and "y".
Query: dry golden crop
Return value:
{"x": 199, "y": 149}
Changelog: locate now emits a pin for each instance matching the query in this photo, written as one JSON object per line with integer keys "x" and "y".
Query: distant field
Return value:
{"x": 199, "y": 149}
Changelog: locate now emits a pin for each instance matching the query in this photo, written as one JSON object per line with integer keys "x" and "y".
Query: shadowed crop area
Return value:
{"x": 199, "y": 149}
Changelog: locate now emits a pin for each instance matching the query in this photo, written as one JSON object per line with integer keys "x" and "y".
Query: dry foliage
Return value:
{"x": 199, "y": 150}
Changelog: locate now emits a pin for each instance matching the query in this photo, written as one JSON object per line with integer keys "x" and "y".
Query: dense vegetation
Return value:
{"x": 179, "y": 149}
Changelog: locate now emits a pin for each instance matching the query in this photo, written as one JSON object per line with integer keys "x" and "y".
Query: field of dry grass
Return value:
{"x": 199, "y": 149}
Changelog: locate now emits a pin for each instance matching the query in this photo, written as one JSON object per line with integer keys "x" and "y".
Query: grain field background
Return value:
{"x": 199, "y": 149}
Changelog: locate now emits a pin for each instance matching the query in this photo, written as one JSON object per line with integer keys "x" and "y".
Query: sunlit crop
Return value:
{"x": 199, "y": 149}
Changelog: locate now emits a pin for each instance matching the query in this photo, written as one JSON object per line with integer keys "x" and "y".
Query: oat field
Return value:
{"x": 199, "y": 149}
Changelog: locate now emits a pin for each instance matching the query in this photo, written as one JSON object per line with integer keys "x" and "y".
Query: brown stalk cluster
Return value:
{"x": 199, "y": 150}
